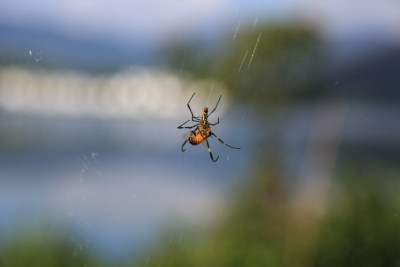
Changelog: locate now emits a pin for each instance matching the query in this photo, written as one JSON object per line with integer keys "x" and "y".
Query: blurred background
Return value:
{"x": 92, "y": 92}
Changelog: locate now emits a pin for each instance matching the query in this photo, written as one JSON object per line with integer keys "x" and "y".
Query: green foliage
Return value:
{"x": 251, "y": 234}
{"x": 42, "y": 246}
{"x": 273, "y": 64}
{"x": 266, "y": 65}
{"x": 359, "y": 228}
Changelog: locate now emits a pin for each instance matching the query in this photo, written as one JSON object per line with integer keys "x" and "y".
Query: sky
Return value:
{"x": 159, "y": 19}
{"x": 349, "y": 19}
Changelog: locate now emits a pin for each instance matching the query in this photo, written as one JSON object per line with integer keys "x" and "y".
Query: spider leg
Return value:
{"x": 184, "y": 143}
{"x": 183, "y": 124}
{"x": 212, "y": 124}
{"x": 215, "y": 106}
{"x": 187, "y": 139}
{"x": 186, "y": 127}
{"x": 209, "y": 150}
{"x": 189, "y": 127}
{"x": 191, "y": 112}
{"x": 219, "y": 139}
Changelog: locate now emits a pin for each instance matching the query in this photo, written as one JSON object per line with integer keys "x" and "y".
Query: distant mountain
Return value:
{"x": 35, "y": 47}
{"x": 374, "y": 75}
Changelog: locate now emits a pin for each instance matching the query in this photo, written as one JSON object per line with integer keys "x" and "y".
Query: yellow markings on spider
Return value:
{"x": 202, "y": 130}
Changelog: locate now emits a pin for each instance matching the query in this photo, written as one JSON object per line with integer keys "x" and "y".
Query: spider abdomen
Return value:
{"x": 197, "y": 139}
{"x": 198, "y": 136}
{"x": 202, "y": 130}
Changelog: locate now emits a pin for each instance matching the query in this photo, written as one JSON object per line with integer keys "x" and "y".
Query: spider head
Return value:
{"x": 204, "y": 117}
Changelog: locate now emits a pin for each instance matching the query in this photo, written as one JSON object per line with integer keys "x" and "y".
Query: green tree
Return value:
{"x": 273, "y": 65}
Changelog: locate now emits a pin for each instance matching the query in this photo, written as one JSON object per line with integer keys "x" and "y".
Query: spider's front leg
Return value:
{"x": 194, "y": 118}
{"x": 212, "y": 124}
{"x": 186, "y": 127}
{"x": 215, "y": 106}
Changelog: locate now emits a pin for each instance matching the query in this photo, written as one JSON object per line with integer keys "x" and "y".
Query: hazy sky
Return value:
{"x": 159, "y": 18}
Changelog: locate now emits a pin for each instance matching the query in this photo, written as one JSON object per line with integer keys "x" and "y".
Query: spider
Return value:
{"x": 202, "y": 130}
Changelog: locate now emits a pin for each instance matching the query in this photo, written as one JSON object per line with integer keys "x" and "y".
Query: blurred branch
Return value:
{"x": 309, "y": 199}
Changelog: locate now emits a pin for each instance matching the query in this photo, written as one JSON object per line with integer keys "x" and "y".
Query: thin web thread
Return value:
{"x": 209, "y": 96}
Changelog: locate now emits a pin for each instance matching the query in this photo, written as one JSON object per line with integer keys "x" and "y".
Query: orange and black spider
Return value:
{"x": 202, "y": 130}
